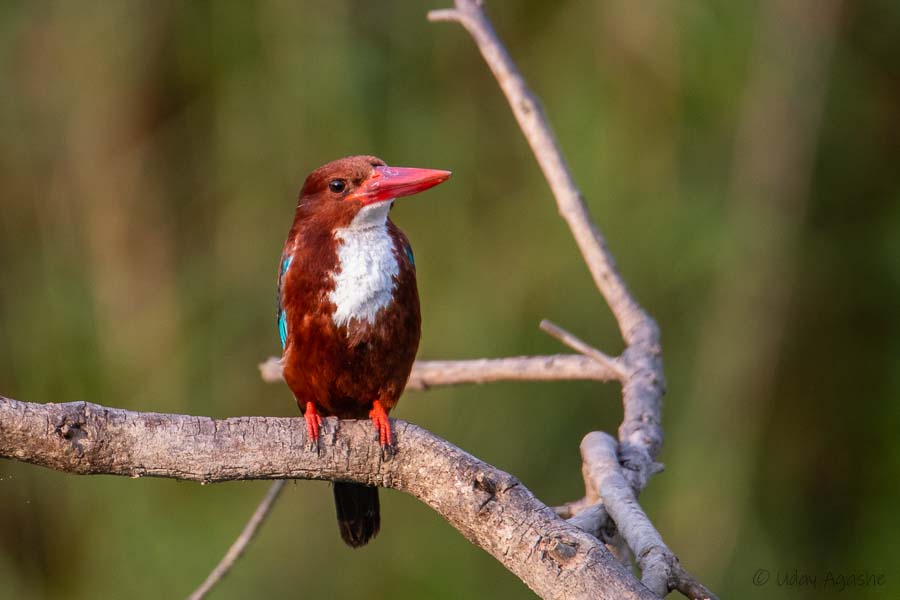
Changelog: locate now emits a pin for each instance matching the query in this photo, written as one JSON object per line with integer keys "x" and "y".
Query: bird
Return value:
{"x": 348, "y": 309}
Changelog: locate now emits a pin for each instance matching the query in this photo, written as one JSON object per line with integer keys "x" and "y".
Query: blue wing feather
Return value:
{"x": 282, "y": 327}
{"x": 282, "y": 316}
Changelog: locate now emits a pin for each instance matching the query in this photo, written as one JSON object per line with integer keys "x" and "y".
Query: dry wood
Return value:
{"x": 435, "y": 373}
{"x": 237, "y": 548}
{"x": 660, "y": 569}
{"x": 640, "y": 434}
{"x": 491, "y": 508}
{"x": 643, "y": 383}
{"x": 575, "y": 343}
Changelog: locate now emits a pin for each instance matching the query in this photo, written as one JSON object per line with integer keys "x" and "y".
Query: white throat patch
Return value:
{"x": 364, "y": 282}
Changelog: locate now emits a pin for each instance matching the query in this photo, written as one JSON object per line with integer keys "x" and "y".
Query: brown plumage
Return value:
{"x": 352, "y": 367}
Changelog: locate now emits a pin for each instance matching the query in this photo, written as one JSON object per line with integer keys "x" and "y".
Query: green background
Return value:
{"x": 150, "y": 156}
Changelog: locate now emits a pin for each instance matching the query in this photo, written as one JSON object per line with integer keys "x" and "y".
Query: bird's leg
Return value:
{"x": 383, "y": 427}
{"x": 313, "y": 422}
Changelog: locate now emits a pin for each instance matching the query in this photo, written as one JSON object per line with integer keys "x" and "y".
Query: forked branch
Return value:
{"x": 489, "y": 507}
{"x": 640, "y": 366}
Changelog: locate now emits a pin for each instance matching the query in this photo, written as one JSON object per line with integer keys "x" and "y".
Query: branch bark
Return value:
{"x": 643, "y": 383}
{"x": 660, "y": 569}
{"x": 434, "y": 373}
{"x": 489, "y": 507}
{"x": 640, "y": 434}
{"x": 240, "y": 544}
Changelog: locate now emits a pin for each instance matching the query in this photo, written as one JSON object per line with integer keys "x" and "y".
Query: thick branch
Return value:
{"x": 491, "y": 508}
{"x": 432, "y": 373}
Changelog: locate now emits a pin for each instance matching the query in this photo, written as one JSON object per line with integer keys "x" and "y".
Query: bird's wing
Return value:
{"x": 409, "y": 253}
{"x": 285, "y": 264}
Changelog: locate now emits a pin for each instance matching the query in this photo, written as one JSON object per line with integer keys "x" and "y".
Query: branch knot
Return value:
{"x": 70, "y": 427}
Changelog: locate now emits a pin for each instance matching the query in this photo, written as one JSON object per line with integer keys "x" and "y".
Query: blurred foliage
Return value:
{"x": 150, "y": 158}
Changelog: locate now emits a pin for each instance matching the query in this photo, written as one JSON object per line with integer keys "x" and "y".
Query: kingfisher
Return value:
{"x": 348, "y": 309}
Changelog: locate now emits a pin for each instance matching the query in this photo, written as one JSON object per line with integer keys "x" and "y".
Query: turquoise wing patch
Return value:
{"x": 282, "y": 316}
{"x": 282, "y": 327}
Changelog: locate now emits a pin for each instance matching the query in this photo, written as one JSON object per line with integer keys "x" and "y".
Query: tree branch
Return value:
{"x": 240, "y": 544}
{"x": 660, "y": 569}
{"x": 427, "y": 374}
{"x": 575, "y": 343}
{"x": 640, "y": 433}
{"x": 489, "y": 507}
{"x": 643, "y": 382}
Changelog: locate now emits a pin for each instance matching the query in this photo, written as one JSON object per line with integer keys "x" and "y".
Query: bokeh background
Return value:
{"x": 741, "y": 158}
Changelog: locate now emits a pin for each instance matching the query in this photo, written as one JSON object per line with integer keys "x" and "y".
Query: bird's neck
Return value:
{"x": 365, "y": 276}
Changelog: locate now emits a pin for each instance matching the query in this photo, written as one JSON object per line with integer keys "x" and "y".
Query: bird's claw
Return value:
{"x": 313, "y": 423}
{"x": 387, "y": 452}
{"x": 383, "y": 430}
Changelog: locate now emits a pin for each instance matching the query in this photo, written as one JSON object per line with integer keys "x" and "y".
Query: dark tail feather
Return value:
{"x": 357, "y": 512}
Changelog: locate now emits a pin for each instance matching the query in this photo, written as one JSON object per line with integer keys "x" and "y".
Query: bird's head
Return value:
{"x": 358, "y": 191}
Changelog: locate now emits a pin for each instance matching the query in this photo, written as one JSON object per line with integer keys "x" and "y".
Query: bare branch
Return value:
{"x": 240, "y": 544}
{"x": 660, "y": 569}
{"x": 592, "y": 519}
{"x": 489, "y": 507}
{"x": 575, "y": 343}
{"x": 533, "y": 122}
{"x": 433, "y": 373}
{"x": 640, "y": 433}
{"x": 640, "y": 366}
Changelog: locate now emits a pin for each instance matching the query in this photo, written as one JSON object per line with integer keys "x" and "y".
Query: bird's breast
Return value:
{"x": 365, "y": 276}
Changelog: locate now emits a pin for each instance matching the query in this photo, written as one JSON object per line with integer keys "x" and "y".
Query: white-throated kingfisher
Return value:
{"x": 348, "y": 309}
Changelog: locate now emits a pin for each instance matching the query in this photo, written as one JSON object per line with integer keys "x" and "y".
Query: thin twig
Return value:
{"x": 579, "y": 345}
{"x": 240, "y": 544}
{"x": 427, "y": 374}
{"x": 592, "y": 519}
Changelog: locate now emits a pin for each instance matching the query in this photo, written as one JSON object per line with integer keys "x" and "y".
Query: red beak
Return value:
{"x": 387, "y": 183}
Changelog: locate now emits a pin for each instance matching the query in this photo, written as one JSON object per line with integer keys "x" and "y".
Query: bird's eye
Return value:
{"x": 337, "y": 185}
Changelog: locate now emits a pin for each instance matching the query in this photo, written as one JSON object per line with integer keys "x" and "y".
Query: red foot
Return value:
{"x": 313, "y": 422}
{"x": 382, "y": 425}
